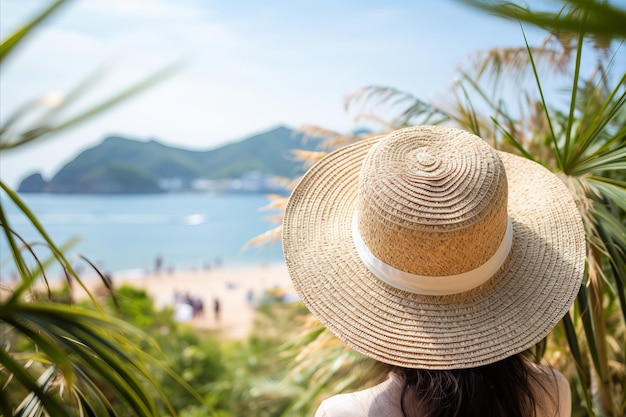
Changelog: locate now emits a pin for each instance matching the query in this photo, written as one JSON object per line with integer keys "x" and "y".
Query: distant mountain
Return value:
{"x": 119, "y": 165}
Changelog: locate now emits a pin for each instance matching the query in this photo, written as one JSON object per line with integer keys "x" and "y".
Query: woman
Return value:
{"x": 431, "y": 252}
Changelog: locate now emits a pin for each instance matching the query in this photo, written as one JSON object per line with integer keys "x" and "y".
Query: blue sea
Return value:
{"x": 125, "y": 233}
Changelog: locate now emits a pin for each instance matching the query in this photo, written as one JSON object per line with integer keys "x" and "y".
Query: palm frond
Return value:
{"x": 50, "y": 125}
{"x": 277, "y": 202}
{"x": 330, "y": 139}
{"x": 409, "y": 109}
{"x": 323, "y": 366}
{"x": 613, "y": 190}
{"x": 9, "y": 45}
{"x": 97, "y": 344}
{"x": 599, "y": 19}
{"x": 553, "y": 55}
{"x": 308, "y": 157}
{"x": 271, "y": 236}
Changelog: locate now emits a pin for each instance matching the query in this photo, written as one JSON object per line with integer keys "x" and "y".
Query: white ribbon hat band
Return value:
{"x": 430, "y": 285}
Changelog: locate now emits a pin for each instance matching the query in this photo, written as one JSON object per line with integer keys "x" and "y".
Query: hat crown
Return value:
{"x": 432, "y": 201}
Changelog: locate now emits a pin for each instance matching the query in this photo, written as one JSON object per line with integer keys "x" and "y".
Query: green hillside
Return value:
{"x": 121, "y": 165}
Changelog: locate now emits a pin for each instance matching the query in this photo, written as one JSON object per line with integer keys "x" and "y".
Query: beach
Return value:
{"x": 238, "y": 290}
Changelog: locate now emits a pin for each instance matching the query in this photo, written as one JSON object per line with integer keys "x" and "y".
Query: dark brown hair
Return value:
{"x": 506, "y": 388}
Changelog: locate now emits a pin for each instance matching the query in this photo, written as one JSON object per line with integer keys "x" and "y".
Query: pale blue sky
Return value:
{"x": 250, "y": 65}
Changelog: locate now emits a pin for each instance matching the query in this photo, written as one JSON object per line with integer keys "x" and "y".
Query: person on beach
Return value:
{"x": 444, "y": 259}
{"x": 158, "y": 264}
{"x": 217, "y": 308}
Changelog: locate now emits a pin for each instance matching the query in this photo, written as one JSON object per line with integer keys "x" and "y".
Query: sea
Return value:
{"x": 132, "y": 234}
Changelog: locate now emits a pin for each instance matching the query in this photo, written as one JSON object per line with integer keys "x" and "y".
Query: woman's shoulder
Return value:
{"x": 340, "y": 405}
{"x": 549, "y": 376}
{"x": 552, "y": 391}
{"x": 381, "y": 399}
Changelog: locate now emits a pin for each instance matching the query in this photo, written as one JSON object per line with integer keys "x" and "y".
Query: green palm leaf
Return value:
{"x": 73, "y": 336}
{"x": 593, "y": 17}
{"x": 8, "y": 45}
{"x": 613, "y": 190}
{"x": 26, "y": 379}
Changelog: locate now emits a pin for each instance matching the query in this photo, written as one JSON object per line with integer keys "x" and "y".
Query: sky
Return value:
{"x": 247, "y": 66}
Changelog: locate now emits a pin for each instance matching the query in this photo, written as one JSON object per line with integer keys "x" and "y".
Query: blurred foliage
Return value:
{"x": 59, "y": 358}
{"x": 600, "y": 20}
{"x": 196, "y": 357}
{"x": 233, "y": 378}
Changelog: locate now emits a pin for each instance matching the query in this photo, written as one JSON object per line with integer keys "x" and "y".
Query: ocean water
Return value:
{"x": 125, "y": 233}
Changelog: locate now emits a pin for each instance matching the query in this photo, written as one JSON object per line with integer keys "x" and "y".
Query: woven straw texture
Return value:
{"x": 433, "y": 201}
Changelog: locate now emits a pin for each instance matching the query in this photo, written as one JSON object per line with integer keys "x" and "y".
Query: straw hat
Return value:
{"x": 426, "y": 248}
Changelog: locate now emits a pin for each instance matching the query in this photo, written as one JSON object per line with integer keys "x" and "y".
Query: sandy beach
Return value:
{"x": 236, "y": 288}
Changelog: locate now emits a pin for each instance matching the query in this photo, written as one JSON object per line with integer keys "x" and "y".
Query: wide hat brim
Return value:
{"x": 511, "y": 312}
